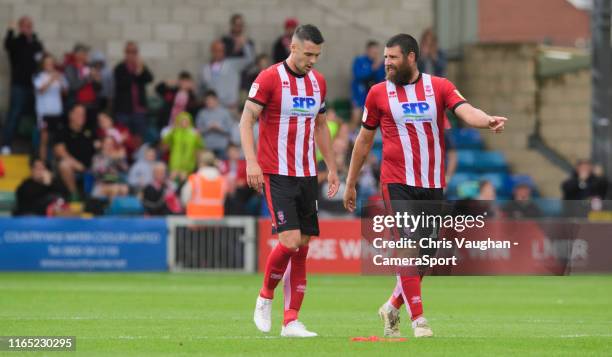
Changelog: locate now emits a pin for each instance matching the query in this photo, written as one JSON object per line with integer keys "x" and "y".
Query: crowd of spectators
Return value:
{"x": 98, "y": 138}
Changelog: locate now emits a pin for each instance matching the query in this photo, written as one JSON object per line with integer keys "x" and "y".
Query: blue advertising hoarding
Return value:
{"x": 67, "y": 244}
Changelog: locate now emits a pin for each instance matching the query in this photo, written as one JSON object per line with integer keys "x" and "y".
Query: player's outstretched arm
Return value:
{"x": 361, "y": 150}
{"x": 323, "y": 140}
{"x": 477, "y": 118}
{"x": 250, "y": 114}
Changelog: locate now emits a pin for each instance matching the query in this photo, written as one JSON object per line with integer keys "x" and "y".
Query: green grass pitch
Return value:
{"x": 211, "y": 314}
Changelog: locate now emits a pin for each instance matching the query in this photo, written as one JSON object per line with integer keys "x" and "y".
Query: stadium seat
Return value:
{"x": 7, "y": 202}
{"x": 549, "y": 207}
{"x": 467, "y": 138}
{"x": 457, "y": 179}
{"x": 125, "y": 206}
{"x": 490, "y": 161}
{"x": 466, "y": 160}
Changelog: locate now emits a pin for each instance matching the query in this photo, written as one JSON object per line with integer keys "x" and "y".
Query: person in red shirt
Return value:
{"x": 289, "y": 100}
{"x": 409, "y": 109}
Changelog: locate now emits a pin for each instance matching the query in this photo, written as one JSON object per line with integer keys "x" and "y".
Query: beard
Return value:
{"x": 401, "y": 75}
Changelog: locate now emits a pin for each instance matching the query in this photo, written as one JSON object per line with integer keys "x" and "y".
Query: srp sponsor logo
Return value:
{"x": 304, "y": 106}
{"x": 418, "y": 111}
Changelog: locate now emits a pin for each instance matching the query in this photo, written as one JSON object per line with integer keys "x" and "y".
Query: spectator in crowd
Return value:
{"x": 99, "y": 63}
{"x": 41, "y": 193}
{"x": 368, "y": 69}
{"x": 84, "y": 83}
{"x": 521, "y": 205}
{"x": 49, "y": 85}
{"x": 584, "y": 184}
{"x": 238, "y": 192}
{"x": 178, "y": 96}
{"x": 223, "y": 74}
{"x": 369, "y": 179}
{"x": 24, "y": 51}
{"x": 236, "y": 42}
{"x": 481, "y": 203}
{"x": 74, "y": 150}
{"x": 216, "y": 125}
{"x": 141, "y": 173}
{"x": 280, "y": 50}
{"x": 120, "y": 133}
{"x": 262, "y": 61}
{"x": 130, "y": 101}
{"x": 203, "y": 194}
{"x": 432, "y": 60}
{"x": 183, "y": 142}
{"x": 159, "y": 196}
{"x": 109, "y": 168}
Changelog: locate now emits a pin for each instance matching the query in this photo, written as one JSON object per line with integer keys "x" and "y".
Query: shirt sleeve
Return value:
{"x": 262, "y": 88}
{"x": 323, "y": 85}
{"x": 39, "y": 81}
{"x": 451, "y": 96}
{"x": 371, "y": 115}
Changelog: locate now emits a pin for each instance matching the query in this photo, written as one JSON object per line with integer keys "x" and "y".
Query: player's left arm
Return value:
{"x": 324, "y": 144}
{"x": 477, "y": 118}
{"x": 472, "y": 116}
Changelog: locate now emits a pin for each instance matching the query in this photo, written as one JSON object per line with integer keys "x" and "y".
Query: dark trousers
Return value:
{"x": 21, "y": 96}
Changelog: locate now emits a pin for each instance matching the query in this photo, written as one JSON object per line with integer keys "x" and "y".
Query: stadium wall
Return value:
{"x": 175, "y": 35}
{"x": 501, "y": 78}
{"x": 565, "y": 125}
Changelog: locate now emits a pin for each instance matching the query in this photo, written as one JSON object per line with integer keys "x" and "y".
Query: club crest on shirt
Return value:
{"x": 315, "y": 86}
{"x": 253, "y": 90}
{"x": 429, "y": 90}
{"x": 280, "y": 215}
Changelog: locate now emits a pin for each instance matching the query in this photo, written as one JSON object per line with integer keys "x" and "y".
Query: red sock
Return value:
{"x": 295, "y": 284}
{"x": 411, "y": 291}
{"x": 396, "y": 299}
{"x": 275, "y": 268}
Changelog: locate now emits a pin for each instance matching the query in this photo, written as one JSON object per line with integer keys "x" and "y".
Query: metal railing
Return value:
{"x": 204, "y": 245}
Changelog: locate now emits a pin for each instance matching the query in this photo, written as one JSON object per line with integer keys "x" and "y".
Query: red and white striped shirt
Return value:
{"x": 286, "y": 125}
{"x": 411, "y": 119}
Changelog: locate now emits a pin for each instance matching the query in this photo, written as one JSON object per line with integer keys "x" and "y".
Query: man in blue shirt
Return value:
{"x": 368, "y": 69}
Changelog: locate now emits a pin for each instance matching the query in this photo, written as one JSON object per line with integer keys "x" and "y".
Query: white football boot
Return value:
{"x": 263, "y": 314}
{"x": 421, "y": 328}
{"x": 391, "y": 320}
{"x": 296, "y": 329}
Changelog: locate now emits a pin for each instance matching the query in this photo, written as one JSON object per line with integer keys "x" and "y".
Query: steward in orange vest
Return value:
{"x": 204, "y": 192}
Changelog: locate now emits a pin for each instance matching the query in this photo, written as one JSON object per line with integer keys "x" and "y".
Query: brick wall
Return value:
{"x": 175, "y": 34}
{"x": 557, "y": 21}
{"x": 501, "y": 79}
{"x": 565, "y": 103}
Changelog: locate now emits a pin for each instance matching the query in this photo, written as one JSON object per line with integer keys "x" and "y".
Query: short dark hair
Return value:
{"x": 372, "y": 43}
{"x": 184, "y": 75}
{"x": 235, "y": 17}
{"x": 309, "y": 33}
{"x": 406, "y": 43}
{"x": 210, "y": 93}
